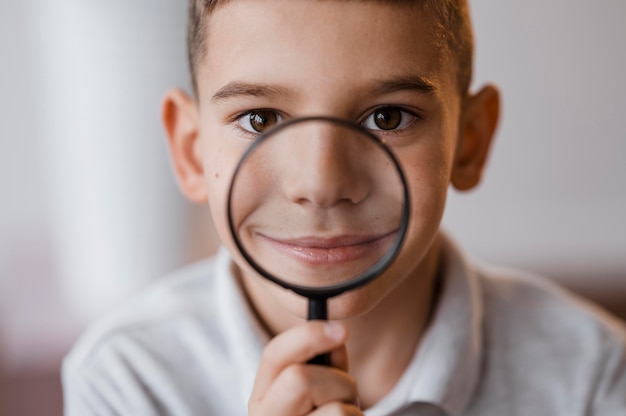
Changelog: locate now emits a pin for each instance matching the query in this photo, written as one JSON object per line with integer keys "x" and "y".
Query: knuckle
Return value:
{"x": 297, "y": 378}
{"x": 270, "y": 354}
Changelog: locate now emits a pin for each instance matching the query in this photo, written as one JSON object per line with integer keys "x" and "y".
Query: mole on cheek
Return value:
{"x": 217, "y": 175}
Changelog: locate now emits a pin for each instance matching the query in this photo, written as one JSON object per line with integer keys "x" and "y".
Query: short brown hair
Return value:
{"x": 453, "y": 30}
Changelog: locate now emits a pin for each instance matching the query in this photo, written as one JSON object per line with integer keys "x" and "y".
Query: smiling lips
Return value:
{"x": 335, "y": 250}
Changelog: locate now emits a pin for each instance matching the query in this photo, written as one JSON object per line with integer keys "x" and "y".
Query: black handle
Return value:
{"x": 318, "y": 312}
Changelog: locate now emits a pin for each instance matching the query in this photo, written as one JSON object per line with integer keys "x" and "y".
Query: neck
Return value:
{"x": 382, "y": 340}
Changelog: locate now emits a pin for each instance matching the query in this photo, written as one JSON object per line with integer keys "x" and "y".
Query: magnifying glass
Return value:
{"x": 319, "y": 206}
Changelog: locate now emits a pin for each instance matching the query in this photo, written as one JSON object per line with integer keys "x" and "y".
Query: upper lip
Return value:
{"x": 321, "y": 242}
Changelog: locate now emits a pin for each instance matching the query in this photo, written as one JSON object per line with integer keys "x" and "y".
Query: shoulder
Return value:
{"x": 540, "y": 338}
{"x": 167, "y": 305}
{"x": 534, "y": 304}
{"x": 162, "y": 351}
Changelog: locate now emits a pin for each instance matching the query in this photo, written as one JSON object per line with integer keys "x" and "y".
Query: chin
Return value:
{"x": 343, "y": 307}
{"x": 354, "y": 304}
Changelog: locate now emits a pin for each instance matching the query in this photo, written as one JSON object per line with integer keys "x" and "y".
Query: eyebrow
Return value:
{"x": 405, "y": 83}
{"x": 244, "y": 89}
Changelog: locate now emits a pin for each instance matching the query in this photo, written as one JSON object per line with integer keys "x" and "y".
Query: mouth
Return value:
{"x": 342, "y": 249}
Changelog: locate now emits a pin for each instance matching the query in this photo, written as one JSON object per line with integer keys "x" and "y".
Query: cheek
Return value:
{"x": 428, "y": 165}
{"x": 428, "y": 171}
{"x": 217, "y": 187}
{"x": 246, "y": 188}
{"x": 217, "y": 168}
{"x": 428, "y": 180}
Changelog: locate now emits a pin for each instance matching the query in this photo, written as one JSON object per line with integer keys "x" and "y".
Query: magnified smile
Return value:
{"x": 332, "y": 250}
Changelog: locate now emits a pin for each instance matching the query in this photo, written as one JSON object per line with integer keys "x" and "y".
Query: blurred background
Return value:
{"x": 90, "y": 212}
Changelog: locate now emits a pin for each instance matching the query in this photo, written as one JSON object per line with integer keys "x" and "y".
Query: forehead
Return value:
{"x": 296, "y": 42}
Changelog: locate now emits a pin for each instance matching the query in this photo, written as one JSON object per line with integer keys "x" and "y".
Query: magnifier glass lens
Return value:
{"x": 317, "y": 203}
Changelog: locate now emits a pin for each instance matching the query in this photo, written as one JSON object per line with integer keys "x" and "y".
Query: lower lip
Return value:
{"x": 334, "y": 255}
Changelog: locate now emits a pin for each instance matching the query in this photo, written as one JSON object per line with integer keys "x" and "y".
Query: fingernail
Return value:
{"x": 335, "y": 331}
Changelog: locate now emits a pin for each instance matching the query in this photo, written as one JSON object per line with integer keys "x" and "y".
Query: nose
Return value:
{"x": 326, "y": 168}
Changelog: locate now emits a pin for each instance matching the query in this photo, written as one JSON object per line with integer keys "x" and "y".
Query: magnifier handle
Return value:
{"x": 318, "y": 312}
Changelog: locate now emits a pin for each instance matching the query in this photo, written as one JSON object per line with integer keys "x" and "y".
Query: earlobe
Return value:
{"x": 478, "y": 125}
{"x": 181, "y": 121}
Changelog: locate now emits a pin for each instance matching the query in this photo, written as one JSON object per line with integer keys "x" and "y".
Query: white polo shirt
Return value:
{"x": 500, "y": 343}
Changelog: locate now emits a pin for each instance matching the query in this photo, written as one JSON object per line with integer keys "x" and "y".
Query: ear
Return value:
{"x": 478, "y": 124}
{"x": 181, "y": 121}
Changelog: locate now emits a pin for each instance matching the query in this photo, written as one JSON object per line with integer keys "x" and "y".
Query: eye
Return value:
{"x": 258, "y": 121}
{"x": 388, "y": 118}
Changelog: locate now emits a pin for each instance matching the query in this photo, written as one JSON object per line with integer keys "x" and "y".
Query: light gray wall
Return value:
{"x": 90, "y": 210}
{"x": 554, "y": 194}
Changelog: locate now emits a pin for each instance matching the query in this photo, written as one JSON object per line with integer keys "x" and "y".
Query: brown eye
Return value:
{"x": 387, "y": 118}
{"x": 257, "y": 121}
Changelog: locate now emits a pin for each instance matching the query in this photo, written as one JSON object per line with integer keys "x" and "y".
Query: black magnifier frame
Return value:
{"x": 318, "y": 296}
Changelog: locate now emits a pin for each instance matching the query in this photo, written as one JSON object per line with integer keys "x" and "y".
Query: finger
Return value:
{"x": 339, "y": 358}
{"x": 308, "y": 387}
{"x": 297, "y": 345}
{"x": 337, "y": 409}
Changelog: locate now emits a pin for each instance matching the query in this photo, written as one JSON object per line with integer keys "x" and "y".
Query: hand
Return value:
{"x": 286, "y": 386}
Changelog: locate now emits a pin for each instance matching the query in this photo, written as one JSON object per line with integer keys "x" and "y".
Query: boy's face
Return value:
{"x": 374, "y": 63}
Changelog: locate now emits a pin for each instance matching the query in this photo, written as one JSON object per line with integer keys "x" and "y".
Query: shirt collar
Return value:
{"x": 448, "y": 360}
{"x": 244, "y": 335}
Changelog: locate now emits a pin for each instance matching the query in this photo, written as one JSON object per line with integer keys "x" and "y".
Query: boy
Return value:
{"x": 434, "y": 335}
